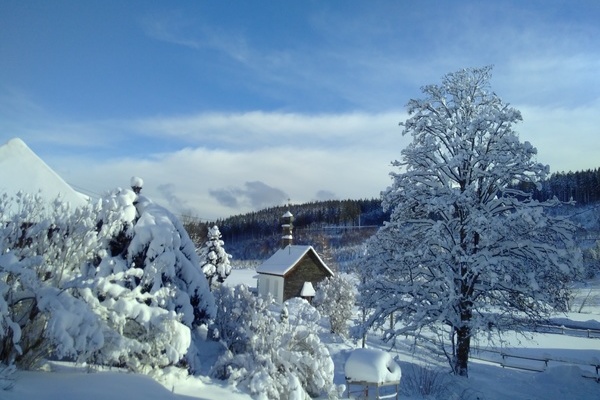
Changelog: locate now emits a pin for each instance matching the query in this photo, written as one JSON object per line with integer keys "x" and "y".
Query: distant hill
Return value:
{"x": 333, "y": 227}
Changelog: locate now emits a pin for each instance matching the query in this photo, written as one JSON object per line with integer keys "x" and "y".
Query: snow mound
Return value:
{"x": 22, "y": 170}
{"x": 372, "y": 366}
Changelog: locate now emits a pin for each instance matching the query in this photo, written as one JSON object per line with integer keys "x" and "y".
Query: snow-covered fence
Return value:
{"x": 569, "y": 331}
{"x": 534, "y": 364}
{"x": 372, "y": 368}
{"x": 525, "y": 363}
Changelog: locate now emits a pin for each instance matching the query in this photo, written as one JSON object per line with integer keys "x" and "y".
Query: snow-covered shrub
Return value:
{"x": 591, "y": 259}
{"x": 335, "y": 298}
{"x": 215, "y": 261}
{"x": 426, "y": 382}
{"x": 147, "y": 286}
{"x": 268, "y": 356}
{"x": 237, "y": 307}
{"x": 42, "y": 248}
{"x": 301, "y": 350}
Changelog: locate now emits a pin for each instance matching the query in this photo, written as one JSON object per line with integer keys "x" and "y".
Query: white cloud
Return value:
{"x": 258, "y": 128}
{"x": 259, "y": 158}
{"x": 567, "y": 139}
{"x": 194, "y": 176}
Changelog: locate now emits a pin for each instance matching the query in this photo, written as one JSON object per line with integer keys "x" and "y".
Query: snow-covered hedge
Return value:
{"x": 42, "y": 247}
{"x": 115, "y": 282}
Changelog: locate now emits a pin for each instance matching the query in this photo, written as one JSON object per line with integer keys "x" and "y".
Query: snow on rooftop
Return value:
{"x": 22, "y": 170}
{"x": 372, "y": 366}
{"x": 287, "y": 214}
{"x": 284, "y": 259}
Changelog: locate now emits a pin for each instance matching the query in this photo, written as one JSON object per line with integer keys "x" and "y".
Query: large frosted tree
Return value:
{"x": 463, "y": 251}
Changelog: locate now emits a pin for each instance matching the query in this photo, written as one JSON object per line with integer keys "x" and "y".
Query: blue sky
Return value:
{"x": 224, "y": 107}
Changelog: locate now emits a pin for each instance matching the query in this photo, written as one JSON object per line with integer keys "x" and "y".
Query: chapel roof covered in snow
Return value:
{"x": 285, "y": 259}
{"x": 22, "y": 170}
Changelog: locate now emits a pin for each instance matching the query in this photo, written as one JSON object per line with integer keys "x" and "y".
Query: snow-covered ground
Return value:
{"x": 570, "y": 358}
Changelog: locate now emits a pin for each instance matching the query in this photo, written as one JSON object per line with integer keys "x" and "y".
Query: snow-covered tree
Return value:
{"x": 591, "y": 259}
{"x": 336, "y": 298}
{"x": 463, "y": 252}
{"x": 147, "y": 286}
{"x": 214, "y": 260}
{"x": 42, "y": 248}
{"x": 269, "y": 355}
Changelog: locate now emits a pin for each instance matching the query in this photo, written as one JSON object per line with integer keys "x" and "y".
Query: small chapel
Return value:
{"x": 294, "y": 270}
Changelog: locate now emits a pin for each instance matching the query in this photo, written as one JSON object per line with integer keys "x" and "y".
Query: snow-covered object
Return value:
{"x": 148, "y": 285}
{"x": 466, "y": 249}
{"x": 283, "y": 260}
{"x": 22, "y": 170}
{"x": 307, "y": 290}
{"x": 269, "y": 356}
{"x": 214, "y": 260}
{"x": 335, "y": 298}
{"x": 136, "y": 182}
{"x": 372, "y": 366}
{"x": 43, "y": 248}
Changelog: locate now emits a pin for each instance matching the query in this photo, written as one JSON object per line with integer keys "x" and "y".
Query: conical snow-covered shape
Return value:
{"x": 22, "y": 170}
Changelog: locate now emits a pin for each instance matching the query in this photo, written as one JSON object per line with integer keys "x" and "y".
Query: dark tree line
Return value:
{"x": 256, "y": 235}
{"x": 583, "y": 187}
{"x": 313, "y": 215}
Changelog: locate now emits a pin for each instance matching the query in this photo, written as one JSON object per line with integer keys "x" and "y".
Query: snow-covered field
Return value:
{"x": 569, "y": 359}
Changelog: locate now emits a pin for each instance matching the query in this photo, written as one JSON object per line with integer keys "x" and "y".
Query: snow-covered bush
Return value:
{"x": 591, "y": 258}
{"x": 302, "y": 352}
{"x": 214, "y": 260}
{"x": 237, "y": 307}
{"x": 427, "y": 382}
{"x": 335, "y": 298}
{"x": 42, "y": 248}
{"x": 117, "y": 282}
{"x": 147, "y": 286}
{"x": 269, "y": 357}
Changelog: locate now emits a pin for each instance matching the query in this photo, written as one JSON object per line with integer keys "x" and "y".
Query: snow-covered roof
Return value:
{"x": 307, "y": 290}
{"x": 22, "y": 170}
{"x": 285, "y": 259}
{"x": 372, "y": 366}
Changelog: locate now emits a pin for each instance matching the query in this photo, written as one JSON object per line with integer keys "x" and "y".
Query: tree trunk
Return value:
{"x": 463, "y": 336}
{"x": 463, "y": 347}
